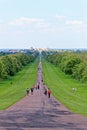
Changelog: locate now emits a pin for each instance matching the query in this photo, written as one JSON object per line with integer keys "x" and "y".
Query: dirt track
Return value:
{"x": 38, "y": 112}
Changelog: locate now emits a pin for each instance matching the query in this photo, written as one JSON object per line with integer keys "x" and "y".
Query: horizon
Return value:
{"x": 43, "y": 48}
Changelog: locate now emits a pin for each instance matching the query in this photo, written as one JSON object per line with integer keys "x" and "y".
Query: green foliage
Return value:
{"x": 71, "y": 63}
{"x": 13, "y": 63}
{"x": 3, "y": 73}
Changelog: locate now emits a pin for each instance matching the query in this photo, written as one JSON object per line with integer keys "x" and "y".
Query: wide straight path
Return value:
{"x": 38, "y": 112}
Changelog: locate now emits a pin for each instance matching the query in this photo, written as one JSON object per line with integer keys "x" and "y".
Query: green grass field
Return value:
{"x": 61, "y": 86}
{"x": 11, "y": 93}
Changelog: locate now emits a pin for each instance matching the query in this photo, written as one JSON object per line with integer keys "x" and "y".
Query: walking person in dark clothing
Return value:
{"x": 32, "y": 90}
{"x": 27, "y": 91}
{"x": 38, "y": 86}
{"x": 49, "y": 92}
{"x": 45, "y": 92}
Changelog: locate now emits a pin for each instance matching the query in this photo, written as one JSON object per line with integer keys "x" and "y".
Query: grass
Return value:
{"x": 11, "y": 93}
{"x": 61, "y": 86}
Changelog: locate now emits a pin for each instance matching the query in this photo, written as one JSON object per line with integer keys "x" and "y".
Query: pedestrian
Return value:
{"x": 27, "y": 91}
{"x": 38, "y": 86}
{"x": 32, "y": 90}
{"x": 45, "y": 92}
{"x": 49, "y": 92}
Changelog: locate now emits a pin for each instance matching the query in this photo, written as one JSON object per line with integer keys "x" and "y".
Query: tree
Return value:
{"x": 3, "y": 73}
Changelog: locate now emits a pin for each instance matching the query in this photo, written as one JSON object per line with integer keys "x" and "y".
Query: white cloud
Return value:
{"x": 77, "y": 25}
{"x": 36, "y": 24}
{"x": 40, "y": 25}
{"x": 25, "y": 20}
{"x": 74, "y": 22}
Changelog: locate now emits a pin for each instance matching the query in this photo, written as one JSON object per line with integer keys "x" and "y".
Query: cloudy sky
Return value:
{"x": 43, "y": 23}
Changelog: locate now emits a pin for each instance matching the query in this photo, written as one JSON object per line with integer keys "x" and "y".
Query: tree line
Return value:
{"x": 71, "y": 63}
{"x": 13, "y": 63}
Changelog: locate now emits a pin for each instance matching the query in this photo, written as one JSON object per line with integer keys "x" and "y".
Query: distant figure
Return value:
{"x": 45, "y": 92}
{"x": 38, "y": 86}
{"x": 49, "y": 92}
{"x": 27, "y": 91}
{"x": 32, "y": 90}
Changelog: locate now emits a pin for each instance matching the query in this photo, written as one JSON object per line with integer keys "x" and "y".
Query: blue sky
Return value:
{"x": 43, "y": 23}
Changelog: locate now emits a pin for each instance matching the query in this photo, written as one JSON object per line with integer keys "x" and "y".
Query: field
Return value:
{"x": 62, "y": 86}
{"x": 14, "y": 89}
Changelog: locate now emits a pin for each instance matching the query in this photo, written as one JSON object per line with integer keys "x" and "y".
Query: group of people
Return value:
{"x": 29, "y": 90}
{"x": 46, "y": 91}
{"x": 32, "y": 89}
{"x": 40, "y": 82}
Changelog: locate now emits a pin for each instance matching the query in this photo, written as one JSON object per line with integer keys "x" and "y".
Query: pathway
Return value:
{"x": 38, "y": 112}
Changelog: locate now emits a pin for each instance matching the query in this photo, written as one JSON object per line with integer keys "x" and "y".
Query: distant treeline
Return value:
{"x": 71, "y": 63}
{"x": 13, "y": 63}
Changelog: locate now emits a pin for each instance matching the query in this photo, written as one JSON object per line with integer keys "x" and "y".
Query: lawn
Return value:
{"x": 61, "y": 86}
{"x": 14, "y": 88}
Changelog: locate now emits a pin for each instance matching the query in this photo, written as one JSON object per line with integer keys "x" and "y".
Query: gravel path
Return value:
{"x": 38, "y": 112}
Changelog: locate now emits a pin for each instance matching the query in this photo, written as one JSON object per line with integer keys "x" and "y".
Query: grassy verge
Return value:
{"x": 61, "y": 86}
{"x": 11, "y": 93}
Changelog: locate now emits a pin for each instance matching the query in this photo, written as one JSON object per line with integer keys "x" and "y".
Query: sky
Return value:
{"x": 43, "y": 24}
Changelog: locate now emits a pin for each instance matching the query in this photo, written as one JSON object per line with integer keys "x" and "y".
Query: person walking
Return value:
{"x": 27, "y": 91}
{"x": 32, "y": 89}
{"x": 49, "y": 92}
{"x": 45, "y": 91}
{"x": 38, "y": 86}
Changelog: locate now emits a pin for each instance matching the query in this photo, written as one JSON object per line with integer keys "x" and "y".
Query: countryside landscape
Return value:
{"x": 64, "y": 72}
{"x": 43, "y": 64}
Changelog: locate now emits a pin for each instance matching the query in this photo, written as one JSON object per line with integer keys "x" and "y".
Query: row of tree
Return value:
{"x": 13, "y": 63}
{"x": 71, "y": 63}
